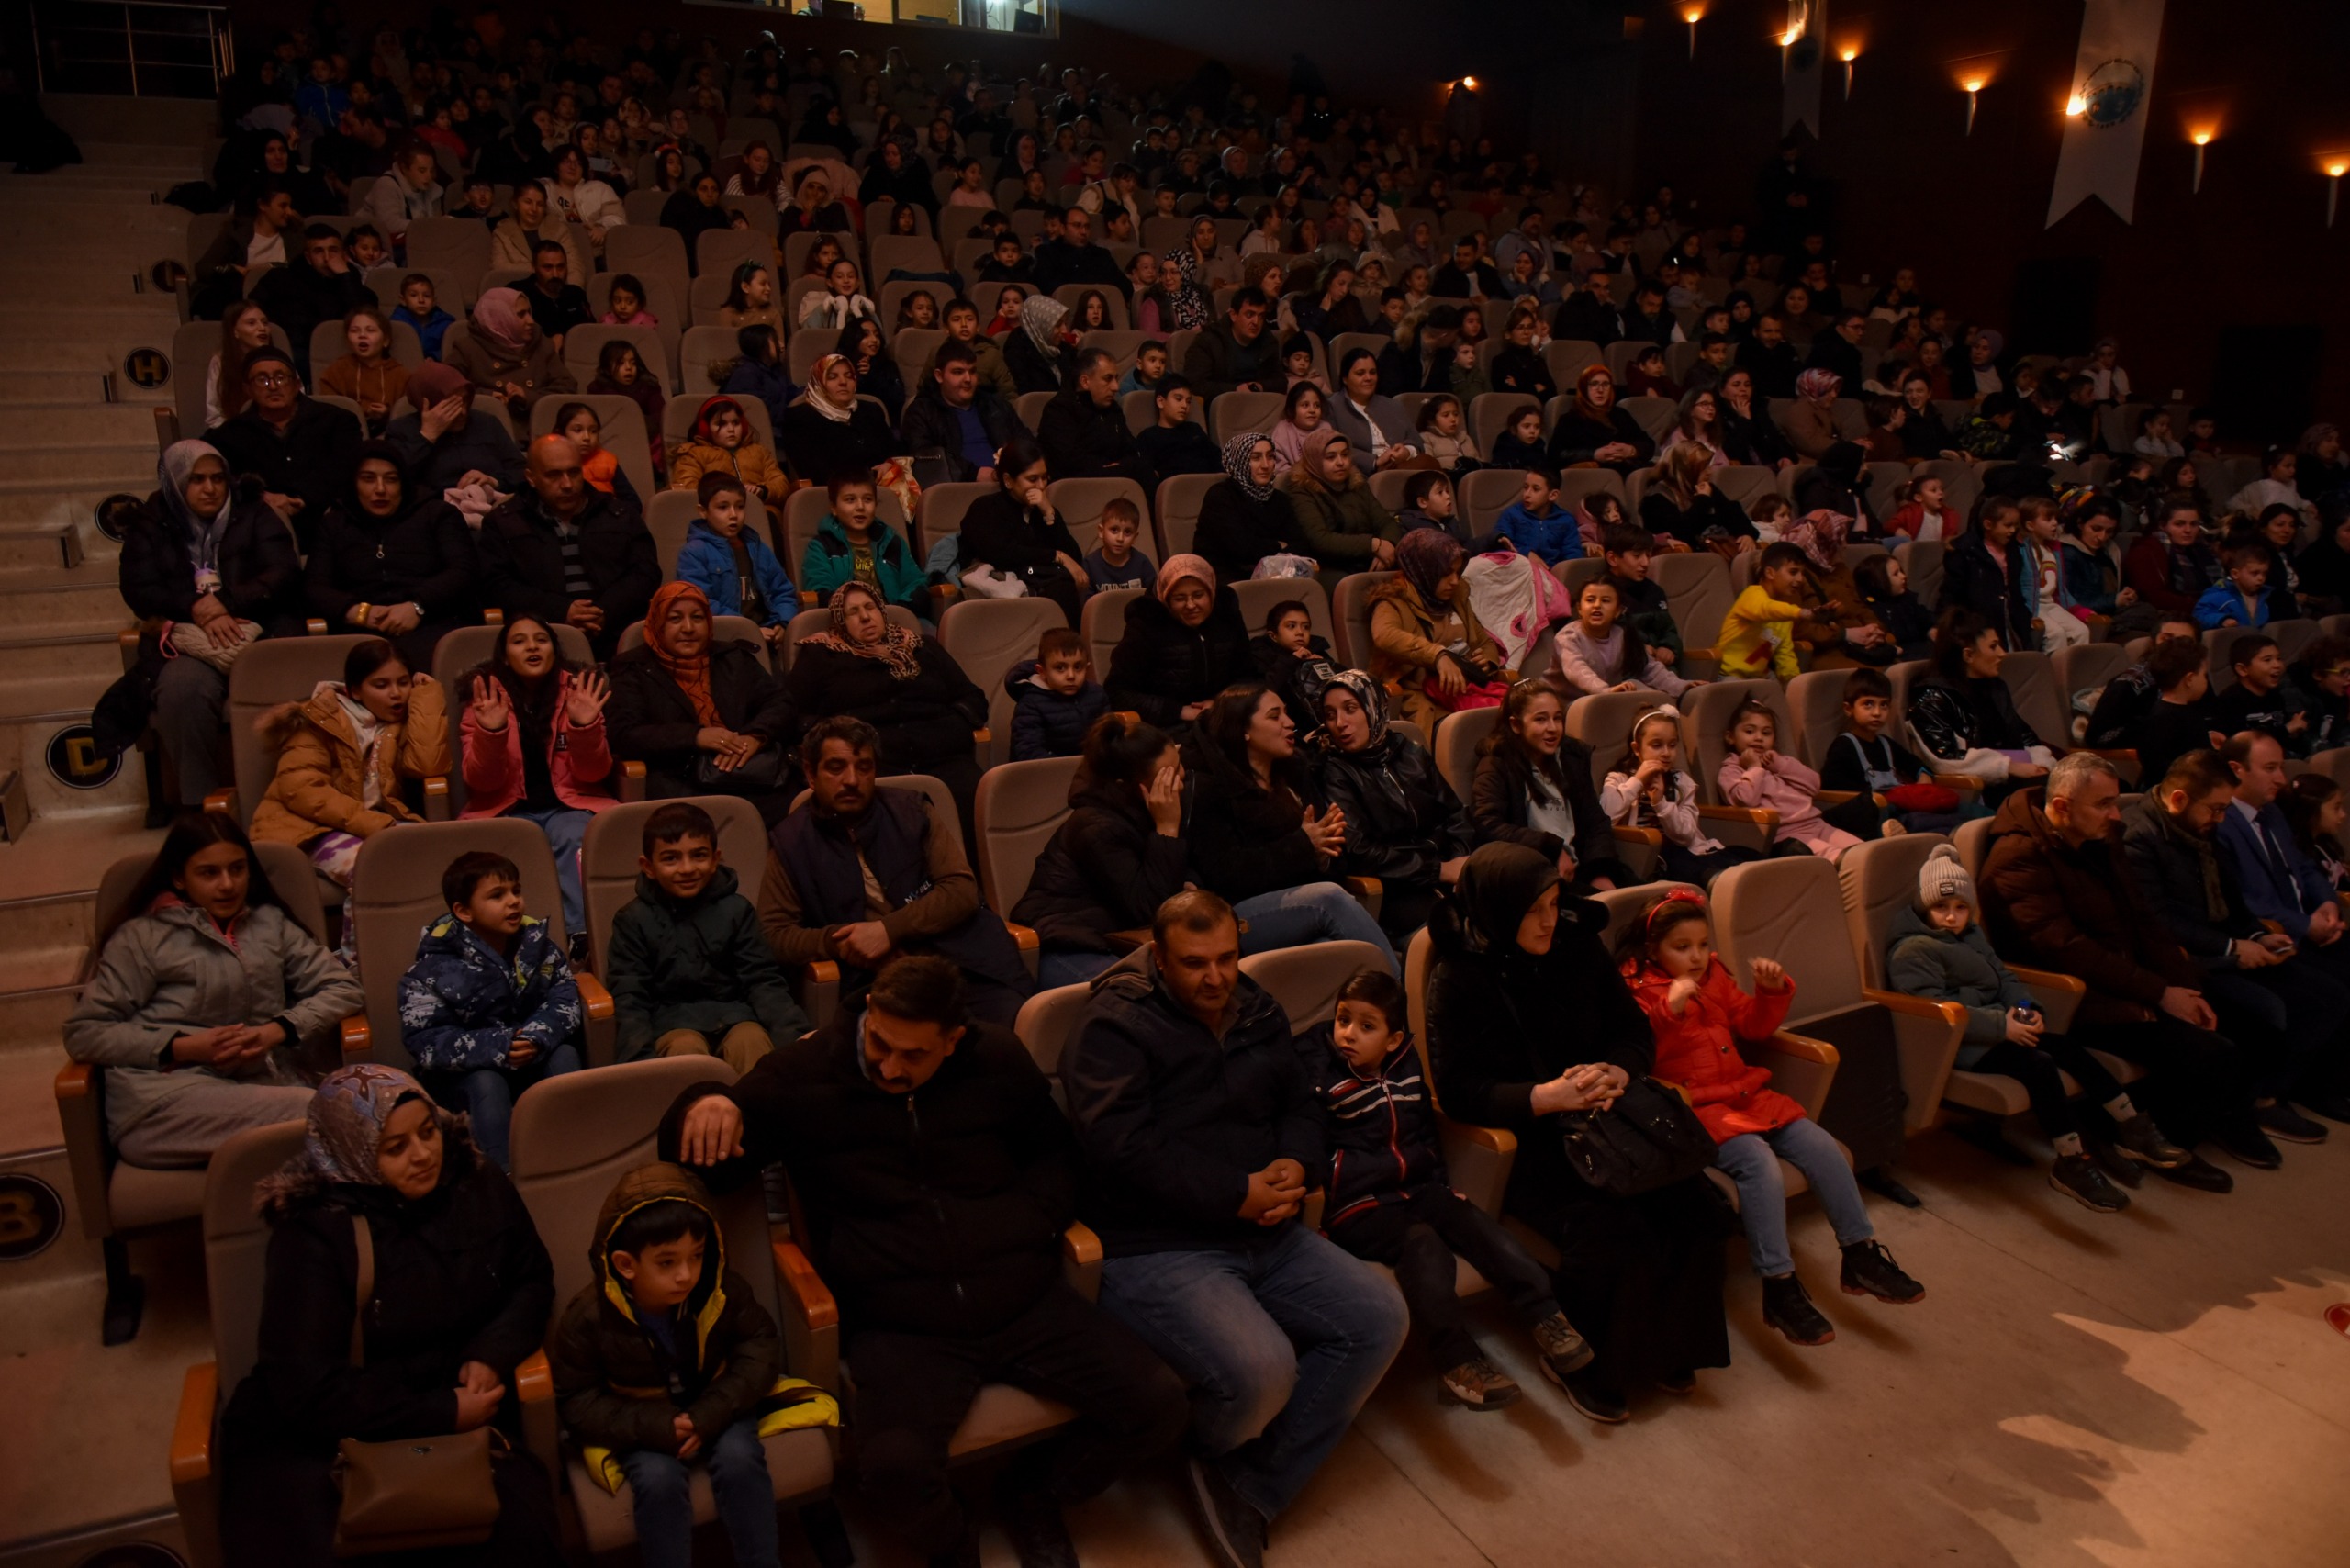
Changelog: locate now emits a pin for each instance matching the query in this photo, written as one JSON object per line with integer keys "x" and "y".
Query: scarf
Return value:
{"x": 1236, "y": 453}
{"x": 497, "y": 319}
{"x": 1176, "y": 568}
{"x": 1424, "y": 556}
{"x": 707, "y": 417}
{"x": 1041, "y": 316}
{"x": 1496, "y": 887}
{"x": 1821, "y": 536}
{"x": 172, "y": 470}
{"x": 692, "y": 675}
{"x": 433, "y": 382}
{"x": 899, "y": 648}
{"x": 1986, "y": 335}
{"x": 1191, "y": 304}
{"x": 1372, "y": 694}
{"x": 1817, "y": 386}
{"x": 813, "y": 397}
{"x": 1585, "y": 405}
{"x": 1308, "y": 470}
{"x": 346, "y": 1121}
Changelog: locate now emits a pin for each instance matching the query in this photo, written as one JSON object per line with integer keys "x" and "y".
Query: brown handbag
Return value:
{"x": 417, "y": 1492}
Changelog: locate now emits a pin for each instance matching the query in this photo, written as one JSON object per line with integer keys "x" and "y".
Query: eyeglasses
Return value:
{"x": 270, "y": 378}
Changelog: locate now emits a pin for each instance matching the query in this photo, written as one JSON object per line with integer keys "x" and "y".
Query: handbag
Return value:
{"x": 769, "y": 767}
{"x": 1649, "y": 1138}
{"x": 1922, "y": 796}
{"x": 414, "y": 1493}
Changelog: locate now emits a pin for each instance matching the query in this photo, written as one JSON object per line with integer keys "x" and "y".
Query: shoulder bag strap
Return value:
{"x": 363, "y": 1239}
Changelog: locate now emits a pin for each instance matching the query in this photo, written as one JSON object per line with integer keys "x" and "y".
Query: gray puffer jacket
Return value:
{"x": 171, "y": 971}
{"x": 1923, "y": 960}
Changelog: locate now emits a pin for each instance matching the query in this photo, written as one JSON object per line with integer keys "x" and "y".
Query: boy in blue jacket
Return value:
{"x": 1537, "y": 524}
{"x": 731, "y": 565}
{"x": 490, "y": 1007}
{"x": 2243, "y": 598}
{"x": 1054, "y": 697}
{"x": 1390, "y": 1201}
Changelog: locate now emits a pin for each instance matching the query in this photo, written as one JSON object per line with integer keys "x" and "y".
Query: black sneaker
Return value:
{"x": 1236, "y": 1529}
{"x": 2279, "y": 1120}
{"x": 2117, "y": 1165}
{"x": 2332, "y": 1107}
{"x": 2200, "y": 1174}
{"x": 1478, "y": 1385}
{"x": 2077, "y": 1177}
{"x": 1787, "y": 1307}
{"x": 1597, "y": 1399}
{"x": 2247, "y": 1145}
{"x": 2138, "y": 1139}
{"x": 1563, "y": 1350}
{"x": 1039, "y": 1535}
{"x": 1869, "y": 1270}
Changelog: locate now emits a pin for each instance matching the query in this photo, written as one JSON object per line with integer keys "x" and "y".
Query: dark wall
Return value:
{"x": 2193, "y": 284}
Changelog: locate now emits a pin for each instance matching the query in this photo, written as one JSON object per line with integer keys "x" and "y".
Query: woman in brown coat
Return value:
{"x": 1425, "y": 642}
{"x": 506, "y": 355}
{"x": 1842, "y": 630}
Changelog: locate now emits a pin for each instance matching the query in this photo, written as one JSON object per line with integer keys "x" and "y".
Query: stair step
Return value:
{"x": 43, "y": 549}
{"x": 52, "y": 698}
{"x": 72, "y": 424}
{"x": 73, "y": 503}
{"x": 68, "y": 464}
{"x": 34, "y": 1018}
{"x": 44, "y": 389}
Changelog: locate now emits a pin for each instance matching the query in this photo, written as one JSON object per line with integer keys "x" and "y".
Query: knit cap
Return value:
{"x": 1941, "y": 876}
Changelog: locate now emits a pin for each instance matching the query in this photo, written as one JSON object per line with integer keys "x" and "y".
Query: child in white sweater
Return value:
{"x": 1598, "y": 651}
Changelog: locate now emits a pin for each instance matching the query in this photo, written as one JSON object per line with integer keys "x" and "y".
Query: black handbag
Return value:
{"x": 1649, "y": 1138}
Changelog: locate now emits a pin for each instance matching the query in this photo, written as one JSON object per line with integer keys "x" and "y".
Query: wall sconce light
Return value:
{"x": 1849, "y": 53}
{"x": 2334, "y": 169}
{"x": 1693, "y": 15}
{"x": 1972, "y": 86}
{"x": 2201, "y": 139}
{"x": 1469, "y": 83}
{"x": 1787, "y": 42}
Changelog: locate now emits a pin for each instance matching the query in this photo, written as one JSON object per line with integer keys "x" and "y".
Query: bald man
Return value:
{"x": 565, "y": 551}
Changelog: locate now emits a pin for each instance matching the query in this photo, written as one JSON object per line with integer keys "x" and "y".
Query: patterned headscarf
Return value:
{"x": 1176, "y": 568}
{"x": 345, "y": 1130}
{"x": 1041, "y": 316}
{"x": 497, "y": 316}
{"x": 1367, "y": 690}
{"x": 1821, "y": 536}
{"x": 1190, "y": 302}
{"x": 899, "y": 648}
{"x": 1424, "y": 556}
{"x": 1236, "y": 453}
{"x": 1817, "y": 385}
{"x": 692, "y": 675}
{"x": 814, "y": 394}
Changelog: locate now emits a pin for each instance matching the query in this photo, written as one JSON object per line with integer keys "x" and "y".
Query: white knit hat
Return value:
{"x": 1941, "y": 876}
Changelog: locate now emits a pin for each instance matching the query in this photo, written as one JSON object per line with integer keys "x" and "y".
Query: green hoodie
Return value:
{"x": 699, "y": 964}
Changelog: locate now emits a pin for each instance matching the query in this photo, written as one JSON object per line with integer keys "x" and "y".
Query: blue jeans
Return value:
{"x": 490, "y": 1092}
{"x": 1067, "y": 967}
{"x": 1281, "y": 1344}
{"x": 1317, "y": 911}
{"x": 1752, "y": 1161}
{"x": 566, "y": 830}
{"x": 665, "y": 1503}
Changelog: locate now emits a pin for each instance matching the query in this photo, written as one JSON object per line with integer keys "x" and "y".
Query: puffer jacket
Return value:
{"x": 1402, "y": 820}
{"x": 1408, "y": 637}
{"x": 1922, "y": 960}
{"x": 1161, "y": 666}
{"x": 1107, "y": 868}
{"x": 1338, "y": 527}
{"x": 1380, "y": 1130}
{"x": 707, "y": 561}
{"x": 751, "y": 462}
{"x": 830, "y": 560}
{"x": 1966, "y": 724}
{"x": 320, "y": 782}
{"x": 1699, "y": 1051}
{"x": 618, "y": 1386}
{"x": 462, "y": 1006}
{"x": 579, "y": 760}
{"x": 700, "y": 964}
{"x": 170, "y": 971}
{"x": 260, "y": 576}
{"x": 1045, "y": 722}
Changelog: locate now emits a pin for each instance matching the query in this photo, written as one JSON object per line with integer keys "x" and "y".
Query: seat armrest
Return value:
{"x": 1964, "y": 783}
{"x": 356, "y": 1037}
{"x": 592, "y": 994}
{"x": 126, "y": 642}
{"x": 632, "y": 781}
{"x": 1365, "y": 891}
{"x": 1749, "y": 827}
{"x": 534, "y": 1388}
{"x": 1802, "y": 1068}
{"x": 1762, "y": 816}
{"x": 2124, "y": 760}
{"x": 2060, "y": 995}
{"x": 315, "y": 626}
{"x": 493, "y": 616}
{"x": 221, "y": 803}
{"x": 1478, "y": 1160}
{"x": 167, "y": 426}
{"x": 1925, "y": 1036}
{"x": 81, "y": 1110}
{"x": 436, "y": 798}
{"x": 1081, "y": 1259}
{"x": 192, "y": 1428}
{"x": 1122, "y": 941}
{"x": 1022, "y": 937}
{"x": 811, "y": 1318}
{"x": 1647, "y": 835}
{"x": 982, "y": 736}
{"x": 601, "y": 1030}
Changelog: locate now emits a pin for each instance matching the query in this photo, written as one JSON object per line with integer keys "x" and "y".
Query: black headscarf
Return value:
{"x": 1496, "y": 887}
{"x": 409, "y": 495}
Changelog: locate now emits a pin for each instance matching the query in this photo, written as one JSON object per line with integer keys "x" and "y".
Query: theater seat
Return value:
{"x": 987, "y": 637}
{"x": 1020, "y": 807}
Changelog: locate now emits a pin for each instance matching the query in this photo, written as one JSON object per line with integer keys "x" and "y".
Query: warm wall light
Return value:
{"x": 1469, "y": 83}
{"x": 1849, "y": 53}
{"x": 2201, "y": 139}
{"x": 2074, "y": 106}
{"x": 2334, "y": 169}
{"x": 1693, "y": 15}
{"x": 1973, "y": 86}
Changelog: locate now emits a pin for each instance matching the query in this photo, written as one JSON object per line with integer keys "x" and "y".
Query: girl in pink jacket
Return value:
{"x": 1756, "y": 774}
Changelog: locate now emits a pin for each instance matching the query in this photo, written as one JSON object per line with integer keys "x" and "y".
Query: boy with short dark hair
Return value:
{"x": 489, "y": 1007}
{"x": 1537, "y": 524}
{"x": 1114, "y": 563}
{"x": 2182, "y": 719}
{"x": 689, "y": 972}
{"x": 421, "y": 308}
{"x": 1148, "y": 370}
{"x": 1054, "y": 697}
{"x": 1296, "y": 665}
{"x": 1865, "y": 760}
{"x": 2262, "y": 699}
{"x": 665, "y": 1359}
{"x": 2243, "y": 597}
{"x": 1177, "y": 444}
{"x": 1430, "y": 501}
{"x": 2321, "y": 680}
{"x": 725, "y": 558}
{"x": 1629, "y": 551}
{"x": 1759, "y": 634}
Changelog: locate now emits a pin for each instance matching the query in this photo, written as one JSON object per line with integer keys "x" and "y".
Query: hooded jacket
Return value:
{"x": 320, "y": 783}
{"x": 261, "y": 576}
{"x": 1172, "y": 1116}
{"x": 1922, "y": 960}
{"x": 1107, "y": 867}
{"x": 462, "y": 1006}
{"x": 1161, "y": 666}
{"x": 1045, "y": 722}
{"x": 707, "y": 561}
{"x": 617, "y": 1384}
{"x": 698, "y": 963}
{"x": 1699, "y": 1051}
{"x": 1379, "y": 1128}
{"x": 830, "y": 560}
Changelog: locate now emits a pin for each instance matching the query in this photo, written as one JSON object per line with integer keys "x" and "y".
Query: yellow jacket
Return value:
{"x": 318, "y": 788}
{"x": 1758, "y": 637}
{"x": 751, "y": 462}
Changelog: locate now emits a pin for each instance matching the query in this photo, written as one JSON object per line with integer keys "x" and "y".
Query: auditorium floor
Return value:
{"x": 2158, "y": 1388}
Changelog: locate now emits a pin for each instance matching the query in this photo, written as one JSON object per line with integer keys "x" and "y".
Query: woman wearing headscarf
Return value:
{"x": 222, "y": 563}
{"x": 1246, "y": 517}
{"x": 1344, "y": 527}
{"x": 1640, "y": 1275}
{"x": 1810, "y": 425}
{"x": 535, "y": 747}
{"x": 387, "y": 1191}
{"x": 1838, "y": 483}
{"x": 1404, "y": 825}
{"x": 1016, "y": 533}
{"x": 905, "y": 685}
{"x": 703, "y": 715}
{"x": 506, "y": 355}
{"x": 1425, "y": 642}
{"x": 829, "y": 433}
{"x": 392, "y": 560}
{"x": 1843, "y": 631}
{"x": 1184, "y": 289}
{"x": 1184, "y": 642}
{"x": 443, "y": 444}
{"x": 1036, "y": 354}
{"x": 1596, "y": 432}
{"x": 695, "y": 210}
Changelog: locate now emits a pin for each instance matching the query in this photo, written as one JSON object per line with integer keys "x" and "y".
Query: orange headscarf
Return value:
{"x": 692, "y": 675}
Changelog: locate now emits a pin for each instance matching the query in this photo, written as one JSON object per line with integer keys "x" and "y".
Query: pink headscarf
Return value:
{"x": 1819, "y": 383}
{"x": 498, "y": 318}
{"x": 1175, "y": 568}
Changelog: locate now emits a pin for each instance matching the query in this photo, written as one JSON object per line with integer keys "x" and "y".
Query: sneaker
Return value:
{"x": 1680, "y": 1380}
{"x": 1563, "y": 1350}
{"x": 2279, "y": 1120}
{"x": 2121, "y": 1167}
{"x": 1039, "y": 1535}
{"x": 1584, "y": 1391}
{"x": 1786, "y": 1306}
{"x": 1869, "y": 1270}
{"x": 2247, "y": 1145}
{"x": 2200, "y": 1174}
{"x": 2077, "y": 1176}
{"x": 1235, "y": 1528}
{"x": 2332, "y": 1107}
{"x": 1478, "y": 1385}
{"x": 2138, "y": 1139}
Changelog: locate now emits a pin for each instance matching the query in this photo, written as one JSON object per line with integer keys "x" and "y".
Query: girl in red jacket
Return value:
{"x": 1699, "y": 1016}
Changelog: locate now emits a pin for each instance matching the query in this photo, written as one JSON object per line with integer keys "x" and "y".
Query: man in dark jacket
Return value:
{"x": 1075, "y": 258}
{"x": 402, "y": 557}
{"x": 2060, "y": 896}
{"x": 322, "y": 286}
{"x": 1590, "y": 315}
{"x": 935, "y": 1173}
{"x": 557, "y": 304}
{"x": 1425, "y": 364}
{"x": 957, "y": 419}
{"x": 1198, "y": 1128}
{"x": 1084, "y": 432}
{"x": 1468, "y": 275}
{"x": 1840, "y": 351}
{"x": 303, "y": 452}
{"x": 568, "y": 552}
{"x": 1769, "y": 358}
{"x": 1236, "y": 354}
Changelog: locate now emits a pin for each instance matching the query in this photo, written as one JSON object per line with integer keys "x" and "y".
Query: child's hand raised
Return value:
{"x": 491, "y": 705}
{"x": 1769, "y": 974}
{"x": 1679, "y": 995}
{"x": 584, "y": 704}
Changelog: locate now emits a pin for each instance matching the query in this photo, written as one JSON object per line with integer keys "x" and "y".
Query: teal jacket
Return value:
{"x": 828, "y": 563}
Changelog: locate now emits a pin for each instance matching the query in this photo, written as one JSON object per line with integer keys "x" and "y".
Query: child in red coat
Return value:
{"x": 1699, "y": 1016}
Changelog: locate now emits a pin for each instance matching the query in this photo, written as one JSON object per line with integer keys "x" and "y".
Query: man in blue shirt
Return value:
{"x": 956, "y": 419}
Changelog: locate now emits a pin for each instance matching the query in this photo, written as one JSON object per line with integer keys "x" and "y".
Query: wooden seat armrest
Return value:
{"x": 127, "y": 642}
{"x": 632, "y": 781}
{"x": 1022, "y": 937}
{"x": 2114, "y": 752}
{"x": 807, "y": 1292}
{"x": 315, "y": 626}
{"x": 2050, "y": 979}
{"x": 167, "y": 426}
{"x": 1362, "y": 887}
{"x": 355, "y": 1039}
{"x": 436, "y": 798}
{"x": 1834, "y": 797}
{"x": 1500, "y": 1141}
{"x": 73, "y": 1081}
{"x": 1079, "y": 1246}
{"x": 809, "y": 598}
{"x": 1127, "y": 941}
{"x": 1647, "y": 835}
{"x": 592, "y": 994}
{"x": 982, "y": 736}
{"x": 221, "y": 803}
{"x": 823, "y": 971}
{"x": 493, "y": 616}
{"x": 534, "y": 1378}
{"x": 1759, "y": 815}
{"x": 192, "y": 1428}
{"x": 1701, "y": 654}
{"x": 1788, "y": 1043}
{"x": 1916, "y": 1006}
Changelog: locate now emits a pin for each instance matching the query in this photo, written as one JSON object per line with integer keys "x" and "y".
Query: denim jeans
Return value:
{"x": 1067, "y": 966}
{"x": 1281, "y": 1343}
{"x": 489, "y": 1094}
{"x": 1752, "y": 1161}
{"x": 566, "y": 830}
{"x": 1317, "y": 911}
{"x": 665, "y": 1506}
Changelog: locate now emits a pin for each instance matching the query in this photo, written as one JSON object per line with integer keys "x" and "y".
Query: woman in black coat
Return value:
{"x": 829, "y": 433}
{"x": 1247, "y": 516}
{"x": 1985, "y": 570}
{"x": 409, "y": 559}
{"x": 1533, "y": 780}
{"x": 904, "y": 684}
{"x": 1748, "y": 433}
{"x": 694, "y": 212}
{"x": 463, "y": 1292}
{"x": 1185, "y": 642}
{"x": 1016, "y": 533}
{"x": 1521, "y": 996}
{"x": 1682, "y": 503}
{"x": 1121, "y": 851}
{"x": 1598, "y": 433}
{"x": 704, "y": 717}
{"x": 1404, "y": 825}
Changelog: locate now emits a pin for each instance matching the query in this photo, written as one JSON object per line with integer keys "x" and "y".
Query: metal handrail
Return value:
{"x": 220, "y": 47}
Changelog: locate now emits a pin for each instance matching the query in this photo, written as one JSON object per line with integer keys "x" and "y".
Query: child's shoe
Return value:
{"x": 1869, "y": 1270}
{"x": 1563, "y": 1350}
{"x": 2138, "y": 1139}
{"x": 2077, "y": 1177}
{"x": 1480, "y": 1386}
{"x": 1786, "y": 1306}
